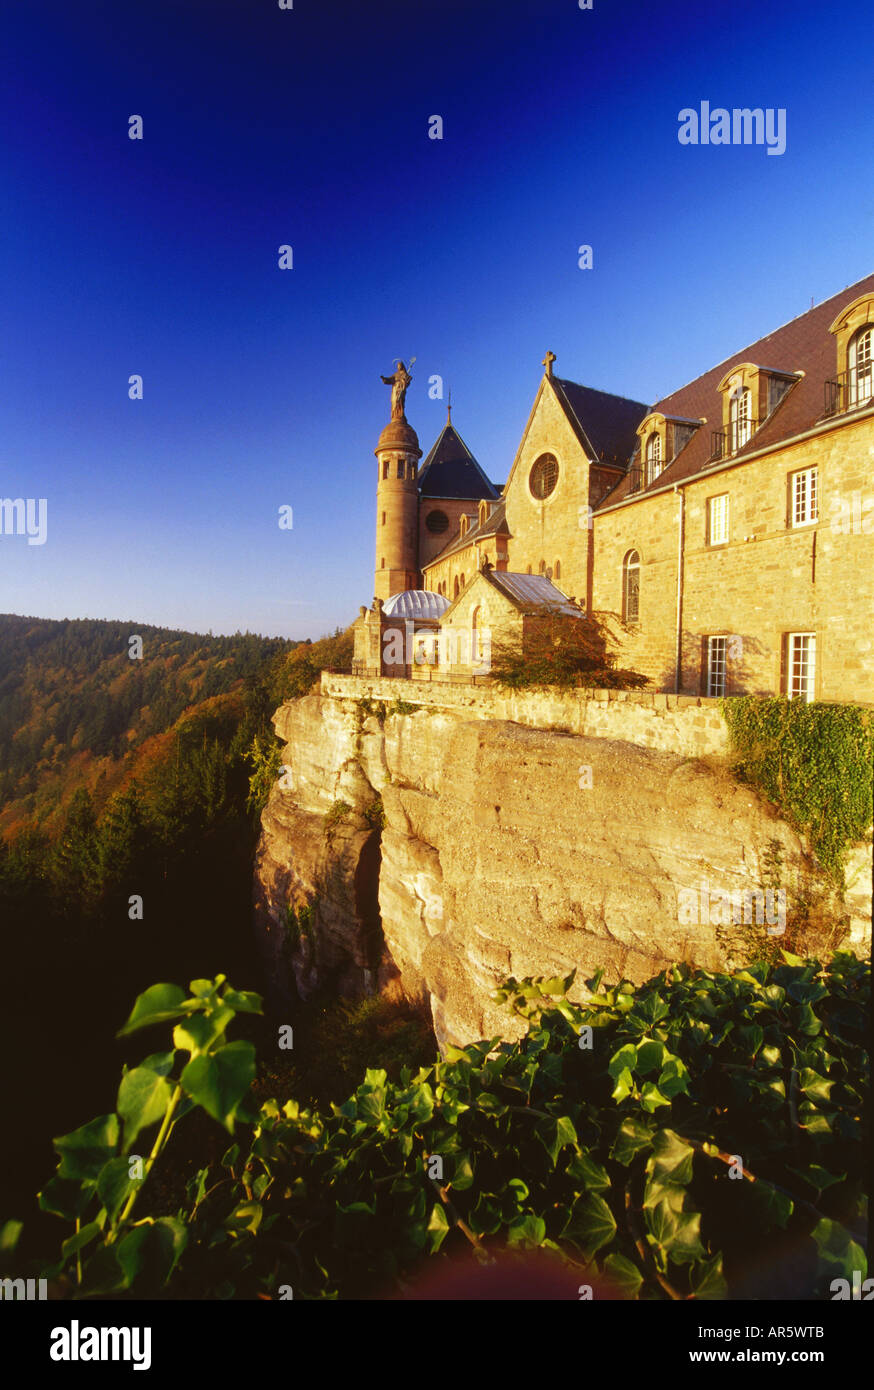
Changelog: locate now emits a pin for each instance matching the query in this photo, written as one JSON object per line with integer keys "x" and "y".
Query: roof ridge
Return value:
{"x": 779, "y": 329}
{"x": 598, "y": 391}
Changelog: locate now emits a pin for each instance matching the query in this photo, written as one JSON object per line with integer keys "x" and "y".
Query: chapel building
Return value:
{"x": 724, "y": 534}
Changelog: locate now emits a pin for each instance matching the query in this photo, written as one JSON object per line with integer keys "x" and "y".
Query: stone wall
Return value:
{"x": 690, "y": 726}
{"x": 769, "y": 579}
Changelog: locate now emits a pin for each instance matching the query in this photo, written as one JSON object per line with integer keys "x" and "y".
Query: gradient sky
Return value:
{"x": 310, "y": 127}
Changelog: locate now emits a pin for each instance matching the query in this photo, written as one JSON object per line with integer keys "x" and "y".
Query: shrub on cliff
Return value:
{"x": 698, "y": 1137}
{"x": 302, "y": 668}
{"x": 556, "y": 649}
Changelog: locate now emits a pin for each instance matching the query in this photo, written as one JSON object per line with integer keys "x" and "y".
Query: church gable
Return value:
{"x": 547, "y": 494}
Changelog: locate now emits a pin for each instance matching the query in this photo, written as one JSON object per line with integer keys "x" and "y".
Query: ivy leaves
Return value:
{"x": 98, "y": 1175}
{"x": 653, "y": 1138}
{"x": 813, "y": 761}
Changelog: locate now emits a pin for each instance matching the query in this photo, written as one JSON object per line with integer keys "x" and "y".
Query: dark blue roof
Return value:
{"x": 451, "y": 471}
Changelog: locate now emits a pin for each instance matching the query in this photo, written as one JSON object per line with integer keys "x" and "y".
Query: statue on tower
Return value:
{"x": 398, "y": 382}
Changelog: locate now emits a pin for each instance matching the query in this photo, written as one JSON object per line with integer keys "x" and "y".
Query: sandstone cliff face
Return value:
{"x": 506, "y": 850}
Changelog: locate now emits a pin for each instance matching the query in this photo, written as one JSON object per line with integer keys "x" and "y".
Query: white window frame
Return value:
{"x": 861, "y": 368}
{"x": 718, "y": 535}
{"x": 804, "y": 497}
{"x": 717, "y": 665}
{"x": 739, "y": 421}
{"x": 801, "y": 665}
{"x": 654, "y": 461}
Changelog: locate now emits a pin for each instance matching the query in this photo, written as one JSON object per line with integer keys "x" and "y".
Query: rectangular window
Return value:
{"x": 804, "y": 501}
{"x": 717, "y": 519}
{"x": 400, "y": 468}
{"x": 800, "y": 665}
{"x": 717, "y": 656}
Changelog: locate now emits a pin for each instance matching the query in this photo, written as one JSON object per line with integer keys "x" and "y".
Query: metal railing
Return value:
{"x": 848, "y": 390}
{"x": 724, "y": 443}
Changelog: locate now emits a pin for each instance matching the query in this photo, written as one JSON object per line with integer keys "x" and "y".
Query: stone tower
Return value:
{"x": 397, "y": 500}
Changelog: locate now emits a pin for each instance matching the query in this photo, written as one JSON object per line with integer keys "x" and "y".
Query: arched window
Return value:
{"x": 455, "y": 588}
{"x": 462, "y": 581}
{"x": 654, "y": 461}
{"x": 383, "y": 518}
{"x": 860, "y": 361}
{"x": 529, "y": 569}
{"x": 631, "y": 587}
{"x": 739, "y": 418}
{"x": 543, "y": 567}
{"x": 483, "y": 513}
{"x": 557, "y": 569}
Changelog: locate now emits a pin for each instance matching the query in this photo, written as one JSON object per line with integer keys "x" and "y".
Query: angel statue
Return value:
{"x": 398, "y": 382}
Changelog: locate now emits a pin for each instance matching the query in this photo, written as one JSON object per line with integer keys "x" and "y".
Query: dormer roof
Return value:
{"x": 804, "y": 345}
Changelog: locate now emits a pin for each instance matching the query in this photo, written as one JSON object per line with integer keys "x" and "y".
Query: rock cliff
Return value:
{"x": 443, "y": 851}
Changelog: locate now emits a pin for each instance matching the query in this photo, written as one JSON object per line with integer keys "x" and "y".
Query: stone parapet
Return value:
{"x": 689, "y": 725}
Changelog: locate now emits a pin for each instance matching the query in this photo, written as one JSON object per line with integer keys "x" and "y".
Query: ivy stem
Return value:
{"x": 645, "y": 1254}
{"x": 156, "y": 1149}
{"x": 78, "y": 1255}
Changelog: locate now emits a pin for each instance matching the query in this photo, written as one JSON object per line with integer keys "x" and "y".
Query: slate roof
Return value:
{"x": 451, "y": 471}
{"x": 803, "y": 344}
{"x": 531, "y": 591}
{"x": 605, "y": 425}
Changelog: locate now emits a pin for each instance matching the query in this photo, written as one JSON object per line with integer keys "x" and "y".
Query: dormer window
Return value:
{"x": 654, "y": 460}
{"x": 739, "y": 418}
{"x": 852, "y": 387}
{"x": 483, "y": 513}
{"x": 465, "y": 523}
{"x": 860, "y": 364}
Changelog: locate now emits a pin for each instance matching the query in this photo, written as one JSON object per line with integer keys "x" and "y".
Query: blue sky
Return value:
{"x": 309, "y": 127}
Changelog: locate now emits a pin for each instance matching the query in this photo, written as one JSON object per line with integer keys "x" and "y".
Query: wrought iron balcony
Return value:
{"x": 724, "y": 443}
{"x": 849, "y": 391}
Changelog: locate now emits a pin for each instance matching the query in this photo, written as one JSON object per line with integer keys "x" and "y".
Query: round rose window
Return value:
{"x": 543, "y": 477}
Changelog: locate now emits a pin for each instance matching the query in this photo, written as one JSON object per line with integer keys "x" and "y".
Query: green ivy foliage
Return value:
{"x": 814, "y": 761}
{"x": 265, "y": 759}
{"x": 658, "y": 1142}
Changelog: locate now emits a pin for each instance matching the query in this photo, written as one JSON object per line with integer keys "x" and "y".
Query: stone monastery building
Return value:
{"x": 725, "y": 535}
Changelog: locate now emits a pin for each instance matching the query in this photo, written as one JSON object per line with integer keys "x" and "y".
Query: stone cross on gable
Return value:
{"x": 548, "y": 361}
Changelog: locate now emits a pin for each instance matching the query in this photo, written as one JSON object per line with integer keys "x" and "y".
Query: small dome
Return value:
{"x": 399, "y": 435}
{"x": 416, "y": 603}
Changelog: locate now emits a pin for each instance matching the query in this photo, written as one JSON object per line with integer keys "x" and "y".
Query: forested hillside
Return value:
{"x": 74, "y": 704}
{"x": 127, "y": 828}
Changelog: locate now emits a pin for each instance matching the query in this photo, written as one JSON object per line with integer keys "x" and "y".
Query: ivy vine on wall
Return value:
{"x": 814, "y": 761}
